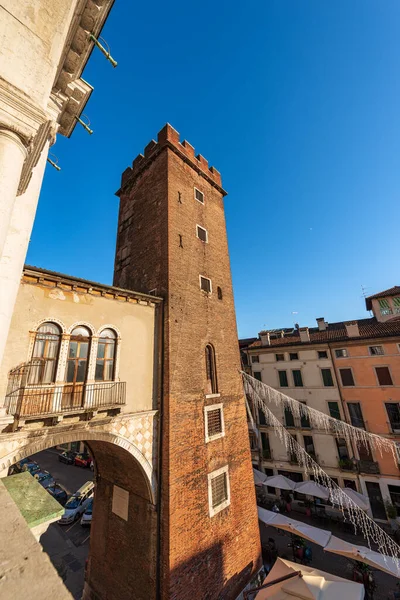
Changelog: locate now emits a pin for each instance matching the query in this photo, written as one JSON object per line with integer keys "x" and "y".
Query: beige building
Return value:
{"x": 78, "y": 350}
{"x": 45, "y": 46}
{"x": 290, "y": 362}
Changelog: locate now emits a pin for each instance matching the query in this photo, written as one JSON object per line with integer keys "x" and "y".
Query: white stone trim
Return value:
{"x": 213, "y": 511}
{"x": 82, "y": 324}
{"x": 109, "y": 326}
{"x": 207, "y": 409}
{"x": 84, "y": 435}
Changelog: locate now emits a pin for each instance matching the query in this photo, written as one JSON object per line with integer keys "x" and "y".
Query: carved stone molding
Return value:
{"x": 46, "y": 131}
{"x": 19, "y": 114}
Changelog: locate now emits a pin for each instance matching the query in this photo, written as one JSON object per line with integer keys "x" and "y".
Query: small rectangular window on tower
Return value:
{"x": 214, "y": 422}
{"x": 202, "y": 233}
{"x": 218, "y": 490}
{"x": 199, "y": 195}
{"x": 205, "y": 284}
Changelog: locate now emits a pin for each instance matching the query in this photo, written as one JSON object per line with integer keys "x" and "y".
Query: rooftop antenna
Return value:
{"x": 364, "y": 293}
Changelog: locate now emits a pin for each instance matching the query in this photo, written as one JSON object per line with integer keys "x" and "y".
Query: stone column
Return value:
{"x": 16, "y": 244}
{"x": 12, "y": 156}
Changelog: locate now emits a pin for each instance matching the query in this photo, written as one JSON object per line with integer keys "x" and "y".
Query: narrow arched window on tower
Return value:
{"x": 211, "y": 371}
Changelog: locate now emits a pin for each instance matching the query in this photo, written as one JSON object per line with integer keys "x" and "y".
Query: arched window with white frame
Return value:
{"x": 45, "y": 354}
{"x": 78, "y": 355}
{"x": 106, "y": 352}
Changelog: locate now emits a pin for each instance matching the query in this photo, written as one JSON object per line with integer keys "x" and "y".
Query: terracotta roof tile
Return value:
{"x": 369, "y": 328}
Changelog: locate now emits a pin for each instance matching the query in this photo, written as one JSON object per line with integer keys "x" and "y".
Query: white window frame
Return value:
{"x": 201, "y": 289}
{"x": 223, "y": 505}
{"x": 207, "y": 409}
{"x": 197, "y": 232}
{"x": 377, "y": 346}
{"x": 194, "y": 194}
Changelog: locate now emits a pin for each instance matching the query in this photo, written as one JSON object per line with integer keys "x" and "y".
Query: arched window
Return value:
{"x": 211, "y": 371}
{"x": 78, "y": 355}
{"x": 45, "y": 354}
{"x": 105, "y": 361}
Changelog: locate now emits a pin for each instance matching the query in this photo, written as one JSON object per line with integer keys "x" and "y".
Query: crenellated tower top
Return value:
{"x": 168, "y": 137}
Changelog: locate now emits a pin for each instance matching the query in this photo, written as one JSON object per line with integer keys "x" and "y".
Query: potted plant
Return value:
{"x": 391, "y": 512}
{"x": 346, "y": 464}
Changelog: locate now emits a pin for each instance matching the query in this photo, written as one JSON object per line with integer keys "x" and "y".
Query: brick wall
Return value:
{"x": 202, "y": 556}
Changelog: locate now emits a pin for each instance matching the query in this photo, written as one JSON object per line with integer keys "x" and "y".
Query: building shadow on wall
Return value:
{"x": 205, "y": 574}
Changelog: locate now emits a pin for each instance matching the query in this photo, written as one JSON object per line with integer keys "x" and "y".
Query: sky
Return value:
{"x": 296, "y": 103}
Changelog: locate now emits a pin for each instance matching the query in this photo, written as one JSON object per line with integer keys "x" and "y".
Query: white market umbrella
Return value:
{"x": 365, "y": 555}
{"x": 308, "y": 532}
{"x": 310, "y": 488}
{"x": 359, "y": 499}
{"x": 280, "y": 481}
{"x": 312, "y": 585}
{"x": 259, "y": 477}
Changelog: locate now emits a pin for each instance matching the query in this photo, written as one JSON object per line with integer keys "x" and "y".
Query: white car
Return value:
{"x": 86, "y": 519}
{"x": 77, "y": 504}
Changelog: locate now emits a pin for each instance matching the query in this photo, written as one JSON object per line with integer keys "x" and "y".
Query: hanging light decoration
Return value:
{"x": 261, "y": 395}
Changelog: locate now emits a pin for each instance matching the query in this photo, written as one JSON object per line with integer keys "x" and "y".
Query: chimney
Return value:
{"x": 304, "y": 334}
{"x": 265, "y": 341}
{"x": 322, "y": 324}
{"x": 352, "y": 329}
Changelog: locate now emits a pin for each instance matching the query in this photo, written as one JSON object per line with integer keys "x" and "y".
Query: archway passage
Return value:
{"x": 123, "y": 547}
{"x": 123, "y": 538}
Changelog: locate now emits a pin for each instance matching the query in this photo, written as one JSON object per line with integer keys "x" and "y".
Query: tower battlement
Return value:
{"x": 168, "y": 137}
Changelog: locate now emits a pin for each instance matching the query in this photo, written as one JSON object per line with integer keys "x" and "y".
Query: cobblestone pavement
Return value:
{"x": 326, "y": 561}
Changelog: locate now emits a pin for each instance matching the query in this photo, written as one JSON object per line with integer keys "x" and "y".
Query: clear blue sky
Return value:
{"x": 297, "y": 103}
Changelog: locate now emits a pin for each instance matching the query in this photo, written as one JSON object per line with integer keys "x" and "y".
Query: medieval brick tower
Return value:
{"x": 172, "y": 240}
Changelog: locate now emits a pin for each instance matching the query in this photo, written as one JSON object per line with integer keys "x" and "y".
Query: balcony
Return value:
{"x": 346, "y": 464}
{"x": 40, "y": 401}
{"x": 266, "y": 454}
{"x": 368, "y": 467}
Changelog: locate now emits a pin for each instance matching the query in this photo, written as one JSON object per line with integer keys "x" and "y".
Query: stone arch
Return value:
{"x": 83, "y": 324}
{"x": 58, "y": 322}
{"x": 109, "y": 326}
{"x": 40, "y": 443}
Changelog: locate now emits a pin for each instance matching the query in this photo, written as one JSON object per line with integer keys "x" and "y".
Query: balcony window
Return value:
{"x": 347, "y": 377}
{"x": 384, "y": 307}
{"x": 393, "y": 412}
{"x": 106, "y": 356}
{"x": 266, "y": 449}
{"x": 283, "y": 380}
{"x": 78, "y": 353}
{"x": 297, "y": 378}
{"x": 261, "y": 417}
{"x": 304, "y": 420}
{"x": 289, "y": 419}
{"x": 384, "y": 376}
{"x": 253, "y": 441}
{"x": 309, "y": 445}
{"x": 327, "y": 377}
{"x": 356, "y": 416}
{"x": 45, "y": 354}
{"x": 342, "y": 451}
{"x": 334, "y": 410}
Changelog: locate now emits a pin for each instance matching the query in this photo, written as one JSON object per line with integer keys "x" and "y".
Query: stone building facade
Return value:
{"x": 45, "y": 47}
{"x": 349, "y": 370}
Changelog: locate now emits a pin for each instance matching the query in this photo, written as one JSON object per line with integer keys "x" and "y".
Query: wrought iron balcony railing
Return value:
{"x": 366, "y": 466}
{"x": 36, "y": 401}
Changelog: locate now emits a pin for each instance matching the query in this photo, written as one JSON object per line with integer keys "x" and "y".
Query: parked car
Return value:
{"x": 83, "y": 460}
{"x": 58, "y": 493}
{"x": 32, "y": 467}
{"x": 17, "y": 468}
{"x": 86, "y": 519}
{"x": 44, "y": 478}
{"x": 67, "y": 457}
{"x": 77, "y": 504}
